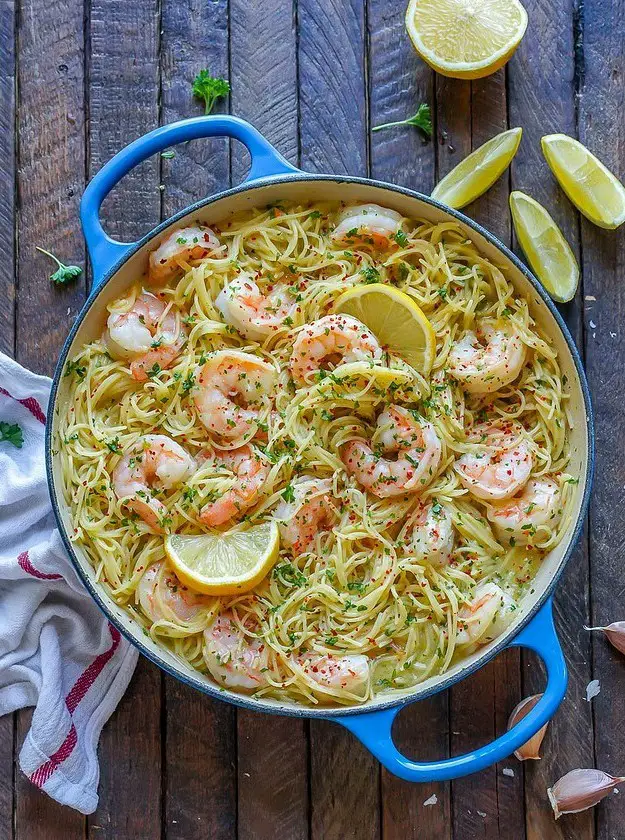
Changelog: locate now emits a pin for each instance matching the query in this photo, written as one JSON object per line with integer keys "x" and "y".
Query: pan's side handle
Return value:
{"x": 106, "y": 252}
{"x": 374, "y": 728}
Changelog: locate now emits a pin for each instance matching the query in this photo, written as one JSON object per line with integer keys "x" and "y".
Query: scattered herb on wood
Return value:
{"x": 210, "y": 89}
{"x": 422, "y": 120}
{"x": 64, "y": 273}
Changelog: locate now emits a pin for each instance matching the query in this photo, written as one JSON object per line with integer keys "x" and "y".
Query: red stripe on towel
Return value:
{"x": 76, "y": 694}
{"x": 30, "y": 403}
{"x": 24, "y": 561}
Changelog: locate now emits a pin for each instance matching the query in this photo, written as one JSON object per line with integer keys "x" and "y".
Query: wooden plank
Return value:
{"x": 345, "y": 795}
{"x": 263, "y": 64}
{"x": 194, "y": 37}
{"x": 333, "y": 103}
{"x": 7, "y": 177}
{"x": 50, "y": 179}
{"x": 7, "y": 319}
{"x": 123, "y": 104}
{"x": 272, "y": 752}
{"x": 50, "y": 175}
{"x": 601, "y": 129}
{"x": 273, "y": 777}
{"x": 542, "y": 100}
{"x": 200, "y": 734}
{"x": 400, "y": 82}
{"x": 488, "y": 804}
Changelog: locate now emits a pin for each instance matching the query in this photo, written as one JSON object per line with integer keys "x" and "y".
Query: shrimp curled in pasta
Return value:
{"x": 486, "y": 360}
{"x": 413, "y": 441}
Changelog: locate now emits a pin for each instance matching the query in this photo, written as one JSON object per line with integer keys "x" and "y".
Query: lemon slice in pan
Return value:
{"x": 546, "y": 249}
{"x": 395, "y": 320}
{"x": 592, "y": 188}
{"x": 226, "y": 563}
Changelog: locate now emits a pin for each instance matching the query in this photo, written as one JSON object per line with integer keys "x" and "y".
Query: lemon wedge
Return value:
{"x": 546, "y": 249}
{"x": 479, "y": 171}
{"x": 592, "y": 188}
{"x": 226, "y": 563}
{"x": 395, "y": 320}
{"x": 466, "y": 39}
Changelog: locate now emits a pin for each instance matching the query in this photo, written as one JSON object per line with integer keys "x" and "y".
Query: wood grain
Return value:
{"x": 8, "y": 196}
{"x": 263, "y": 75}
{"x": 488, "y": 804}
{"x": 333, "y": 101}
{"x": 200, "y": 778}
{"x": 8, "y": 187}
{"x": 272, "y": 763}
{"x": 345, "y": 779}
{"x": 399, "y": 82}
{"x": 50, "y": 179}
{"x": 601, "y": 128}
{"x": 542, "y": 95}
{"x": 123, "y": 104}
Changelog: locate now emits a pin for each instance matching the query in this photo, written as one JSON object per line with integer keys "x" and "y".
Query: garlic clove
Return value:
{"x": 615, "y": 634}
{"x": 531, "y": 748}
{"x": 581, "y": 789}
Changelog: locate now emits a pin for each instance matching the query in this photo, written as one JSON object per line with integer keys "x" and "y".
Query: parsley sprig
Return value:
{"x": 12, "y": 433}
{"x": 422, "y": 120}
{"x": 64, "y": 273}
{"x": 210, "y": 89}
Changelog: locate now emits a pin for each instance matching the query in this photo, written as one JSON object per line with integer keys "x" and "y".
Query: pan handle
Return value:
{"x": 106, "y": 252}
{"x": 374, "y": 728}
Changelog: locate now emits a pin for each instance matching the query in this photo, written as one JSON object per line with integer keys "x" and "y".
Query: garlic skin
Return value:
{"x": 581, "y": 789}
{"x": 615, "y": 634}
{"x": 531, "y": 748}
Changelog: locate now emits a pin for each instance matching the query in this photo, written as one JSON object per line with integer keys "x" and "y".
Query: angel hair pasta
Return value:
{"x": 228, "y": 390}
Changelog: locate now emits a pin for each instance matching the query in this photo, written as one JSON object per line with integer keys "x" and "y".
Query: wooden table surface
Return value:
{"x": 77, "y": 82}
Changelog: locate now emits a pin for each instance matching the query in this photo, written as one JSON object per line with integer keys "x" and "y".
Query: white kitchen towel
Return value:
{"x": 58, "y": 652}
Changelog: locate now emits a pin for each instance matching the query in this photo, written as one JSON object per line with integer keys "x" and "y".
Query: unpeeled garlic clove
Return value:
{"x": 531, "y": 748}
{"x": 581, "y": 789}
{"x": 615, "y": 633}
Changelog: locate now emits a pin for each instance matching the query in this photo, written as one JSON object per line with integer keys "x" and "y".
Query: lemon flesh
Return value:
{"x": 479, "y": 171}
{"x": 396, "y": 321}
{"x": 226, "y": 563}
{"x": 546, "y": 249}
{"x": 593, "y": 189}
{"x": 466, "y": 39}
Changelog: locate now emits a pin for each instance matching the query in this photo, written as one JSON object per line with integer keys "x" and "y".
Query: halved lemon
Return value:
{"x": 396, "y": 321}
{"x": 593, "y": 189}
{"x": 479, "y": 171}
{"x": 545, "y": 247}
{"x": 226, "y": 563}
{"x": 466, "y": 39}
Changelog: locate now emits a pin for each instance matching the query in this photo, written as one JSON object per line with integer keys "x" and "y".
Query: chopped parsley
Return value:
{"x": 12, "y": 433}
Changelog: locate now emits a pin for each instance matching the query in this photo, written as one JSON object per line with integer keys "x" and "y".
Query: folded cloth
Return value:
{"x": 58, "y": 652}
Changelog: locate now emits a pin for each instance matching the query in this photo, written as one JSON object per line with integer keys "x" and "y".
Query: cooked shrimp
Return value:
{"x": 332, "y": 340}
{"x": 152, "y": 458}
{"x": 310, "y": 512}
{"x": 250, "y": 473}
{"x": 192, "y": 243}
{"x": 414, "y": 442}
{"x": 233, "y": 659}
{"x": 230, "y": 392}
{"x": 253, "y": 314}
{"x": 369, "y": 224}
{"x": 539, "y": 506}
{"x": 164, "y": 598}
{"x": 430, "y": 533}
{"x": 150, "y": 334}
{"x": 499, "y": 464}
{"x": 487, "y": 360}
{"x": 486, "y": 616}
{"x": 349, "y": 673}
